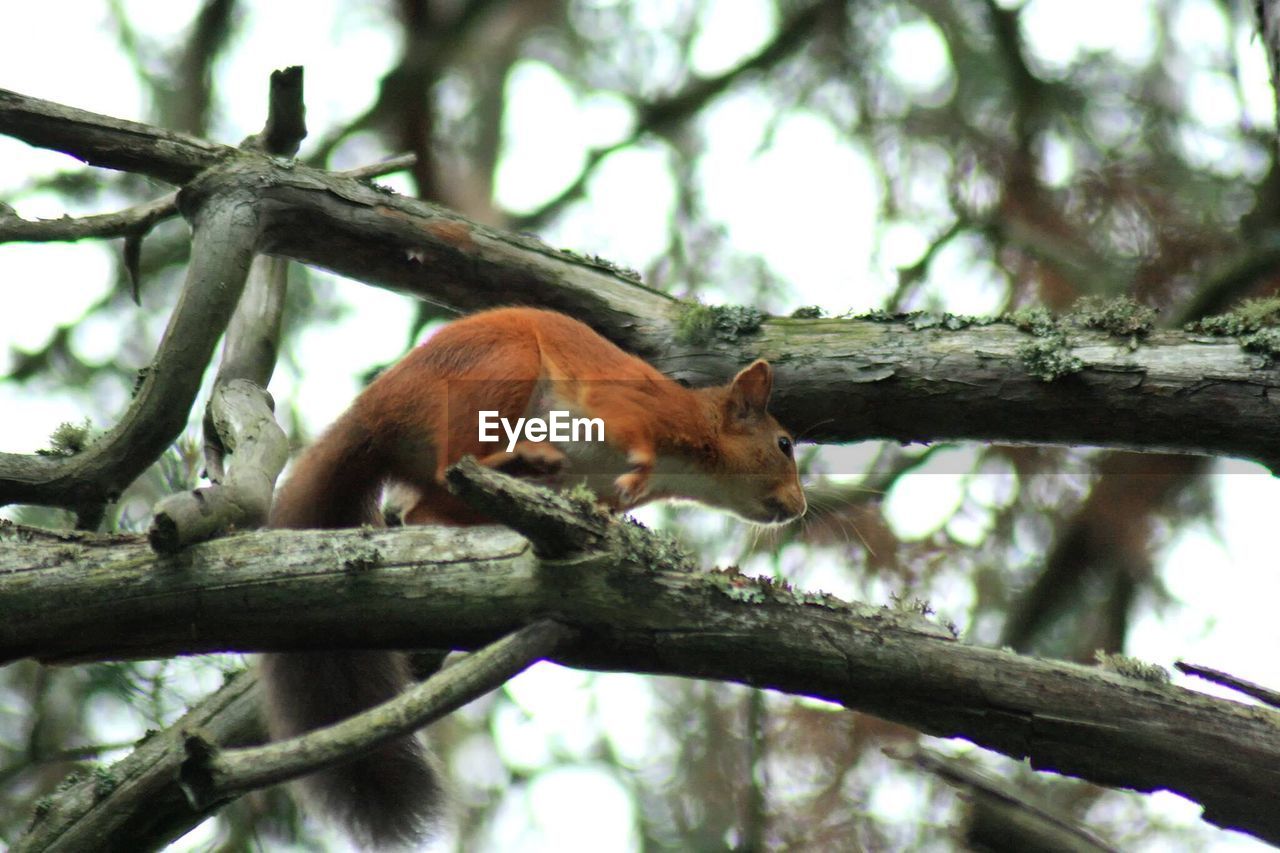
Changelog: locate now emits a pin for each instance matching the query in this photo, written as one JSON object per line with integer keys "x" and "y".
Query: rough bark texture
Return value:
{"x": 909, "y": 379}
{"x": 283, "y": 590}
{"x": 136, "y": 803}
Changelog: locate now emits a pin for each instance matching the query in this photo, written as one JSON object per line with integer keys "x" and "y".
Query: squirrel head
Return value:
{"x": 755, "y": 468}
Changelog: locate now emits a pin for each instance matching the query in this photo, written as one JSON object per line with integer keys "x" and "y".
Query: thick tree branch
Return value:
{"x": 909, "y": 379}
{"x": 428, "y": 587}
{"x": 838, "y": 380}
{"x": 226, "y": 230}
{"x": 136, "y": 803}
{"x": 108, "y": 142}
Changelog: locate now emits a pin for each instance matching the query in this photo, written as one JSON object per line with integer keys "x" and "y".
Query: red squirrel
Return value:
{"x": 717, "y": 446}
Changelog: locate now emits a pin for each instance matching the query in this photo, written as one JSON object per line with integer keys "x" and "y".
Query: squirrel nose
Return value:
{"x": 780, "y": 510}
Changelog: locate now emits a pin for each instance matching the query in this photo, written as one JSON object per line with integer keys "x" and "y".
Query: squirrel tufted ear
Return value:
{"x": 750, "y": 389}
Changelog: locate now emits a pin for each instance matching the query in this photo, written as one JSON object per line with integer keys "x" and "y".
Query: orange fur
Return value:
{"x": 718, "y": 446}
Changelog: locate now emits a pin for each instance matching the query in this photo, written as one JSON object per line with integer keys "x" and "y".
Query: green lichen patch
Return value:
{"x": 578, "y": 493}
{"x": 1255, "y": 322}
{"x": 914, "y": 606}
{"x": 652, "y": 550}
{"x": 700, "y": 324}
{"x": 104, "y": 782}
{"x": 756, "y": 590}
{"x": 68, "y": 439}
{"x": 1132, "y": 667}
{"x": 732, "y": 583}
{"x": 1050, "y": 357}
{"x": 948, "y": 321}
{"x": 918, "y": 320}
{"x": 1121, "y": 317}
{"x": 1250, "y": 316}
{"x": 1265, "y": 341}
{"x": 535, "y": 242}
{"x": 1037, "y": 321}
{"x": 362, "y": 559}
{"x": 879, "y": 315}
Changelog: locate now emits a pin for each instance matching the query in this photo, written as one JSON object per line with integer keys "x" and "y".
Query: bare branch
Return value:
{"x": 108, "y": 142}
{"x": 240, "y": 413}
{"x": 376, "y": 170}
{"x": 286, "y": 124}
{"x": 1005, "y": 814}
{"x": 1265, "y": 695}
{"x": 134, "y": 220}
{"x": 907, "y": 378}
{"x": 226, "y": 230}
{"x": 212, "y": 775}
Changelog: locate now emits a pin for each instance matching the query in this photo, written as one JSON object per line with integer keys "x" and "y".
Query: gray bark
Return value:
{"x": 637, "y": 608}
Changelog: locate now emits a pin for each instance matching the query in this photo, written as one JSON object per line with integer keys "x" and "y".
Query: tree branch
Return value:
{"x": 136, "y": 803}
{"x": 226, "y": 229}
{"x": 212, "y": 775}
{"x": 1004, "y": 818}
{"x": 240, "y": 414}
{"x": 286, "y": 124}
{"x": 108, "y": 142}
{"x": 124, "y": 223}
{"x": 903, "y": 378}
{"x": 638, "y": 607}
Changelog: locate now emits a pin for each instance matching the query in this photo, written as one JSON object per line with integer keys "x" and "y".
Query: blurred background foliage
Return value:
{"x": 966, "y": 155}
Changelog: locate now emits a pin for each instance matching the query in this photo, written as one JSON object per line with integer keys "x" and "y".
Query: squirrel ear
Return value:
{"x": 750, "y": 389}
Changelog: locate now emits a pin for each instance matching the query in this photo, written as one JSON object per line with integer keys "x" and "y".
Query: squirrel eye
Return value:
{"x": 784, "y": 444}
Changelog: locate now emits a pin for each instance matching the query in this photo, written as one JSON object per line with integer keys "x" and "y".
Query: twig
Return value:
{"x": 1265, "y": 695}
{"x": 211, "y": 775}
{"x": 122, "y": 223}
{"x": 385, "y": 167}
{"x": 1023, "y": 824}
{"x": 136, "y": 804}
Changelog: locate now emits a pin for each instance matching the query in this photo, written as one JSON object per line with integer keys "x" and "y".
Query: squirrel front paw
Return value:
{"x": 631, "y": 488}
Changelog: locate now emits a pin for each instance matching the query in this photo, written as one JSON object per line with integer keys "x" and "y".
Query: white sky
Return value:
{"x": 824, "y": 251}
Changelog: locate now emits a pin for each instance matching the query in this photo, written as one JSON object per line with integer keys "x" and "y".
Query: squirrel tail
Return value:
{"x": 390, "y": 797}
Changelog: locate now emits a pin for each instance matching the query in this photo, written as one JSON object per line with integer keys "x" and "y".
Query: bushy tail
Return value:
{"x": 390, "y": 797}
